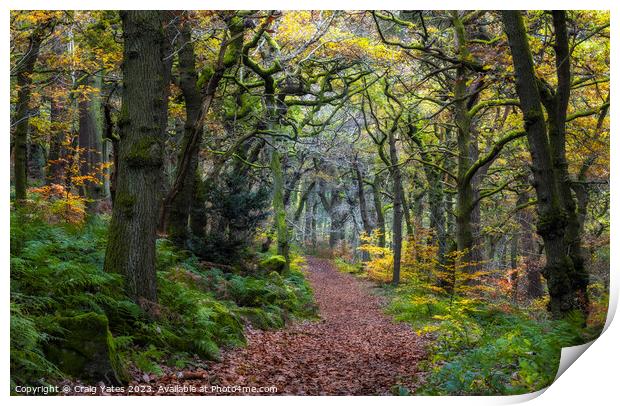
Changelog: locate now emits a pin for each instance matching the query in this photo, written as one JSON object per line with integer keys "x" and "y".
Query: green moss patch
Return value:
{"x": 86, "y": 349}
{"x": 275, "y": 263}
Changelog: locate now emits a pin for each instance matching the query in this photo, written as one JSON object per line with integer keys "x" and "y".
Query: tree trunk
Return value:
{"x": 36, "y": 162}
{"x": 406, "y": 211}
{"x": 397, "y": 225}
{"x": 337, "y": 216}
{"x": 515, "y": 277}
{"x": 198, "y": 212}
{"x": 132, "y": 233}
{"x": 476, "y": 181}
{"x": 278, "y": 206}
{"x": 107, "y": 158}
{"x": 308, "y": 207}
{"x": 528, "y": 250}
{"x": 228, "y": 55}
{"x": 114, "y": 155}
{"x": 303, "y": 201}
{"x": 362, "y": 200}
{"x": 338, "y": 223}
{"x": 313, "y": 224}
{"x": 89, "y": 140}
{"x": 465, "y": 192}
{"x": 437, "y": 213}
{"x": 566, "y": 278}
{"x": 22, "y": 114}
{"x": 366, "y": 224}
{"x": 376, "y": 194}
{"x": 55, "y": 157}
{"x": 179, "y": 206}
{"x": 556, "y": 113}
{"x": 291, "y": 185}
{"x": 436, "y": 199}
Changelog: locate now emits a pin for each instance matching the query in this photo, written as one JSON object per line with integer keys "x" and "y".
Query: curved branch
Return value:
{"x": 493, "y": 153}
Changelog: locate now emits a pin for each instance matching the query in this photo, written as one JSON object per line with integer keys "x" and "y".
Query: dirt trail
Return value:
{"x": 354, "y": 349}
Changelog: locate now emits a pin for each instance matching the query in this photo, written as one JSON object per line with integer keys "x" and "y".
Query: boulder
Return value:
{"x": 86, "y": 350}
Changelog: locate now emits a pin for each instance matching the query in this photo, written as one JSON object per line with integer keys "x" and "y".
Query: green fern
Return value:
{"x": 56, "y": 270}
{"x": 27, "y": 358}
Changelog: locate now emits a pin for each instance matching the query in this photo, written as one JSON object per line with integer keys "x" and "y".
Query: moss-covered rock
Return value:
{"x": 275, "y": 263}
{"x": 86, "y": 350}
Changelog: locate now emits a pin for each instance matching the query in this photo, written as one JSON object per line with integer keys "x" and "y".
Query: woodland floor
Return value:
{"x": 353, "y": 349}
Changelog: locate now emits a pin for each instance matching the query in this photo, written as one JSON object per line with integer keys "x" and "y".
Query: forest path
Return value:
{"x": 354, "y": 349}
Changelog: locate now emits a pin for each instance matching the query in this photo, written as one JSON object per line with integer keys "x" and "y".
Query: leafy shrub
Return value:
{"x": 381, "y": 263}
{"x": 58, "y": 204}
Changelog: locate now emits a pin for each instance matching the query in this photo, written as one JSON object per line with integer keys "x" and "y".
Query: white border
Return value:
{"x": 593, "y": 378}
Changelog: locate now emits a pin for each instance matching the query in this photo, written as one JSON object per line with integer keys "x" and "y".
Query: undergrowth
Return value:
{"x": 347, "y": 267}
{"x": 481, "y": 347}
{"x": 56, "y": 271}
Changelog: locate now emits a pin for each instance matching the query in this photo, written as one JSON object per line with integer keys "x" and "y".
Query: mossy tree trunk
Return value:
{"x": 471, "y": 165}
{"x": 303, "y": 199}
{"x": 363, "y": 205}
{"x": 557, "y": 225}
{"x": 391, "y": 162}
{"x": 272, "y": 113}
{"x": 407, "y": 212}
{"x": 293, "y": 180}
{"x": 556, "y": 107}
{"x": 277, "y": 174}
{"x": 465, "y": 190}
{"x": 438, "y": 214}
{"x": 132, "y": 232}
{"x": 113, "y": 153}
